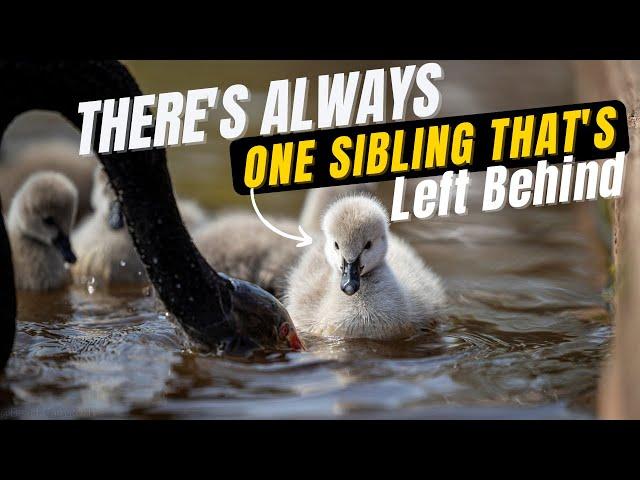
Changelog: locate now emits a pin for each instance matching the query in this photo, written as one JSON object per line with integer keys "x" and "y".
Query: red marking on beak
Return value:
{"x": 294, "y": 341}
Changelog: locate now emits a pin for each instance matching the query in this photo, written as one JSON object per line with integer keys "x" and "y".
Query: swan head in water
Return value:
{"x": 44, "y": 209}
{"x": 260, "y": 320}
{"x": 356, "y": 230}
{"x": 104, "y": 200}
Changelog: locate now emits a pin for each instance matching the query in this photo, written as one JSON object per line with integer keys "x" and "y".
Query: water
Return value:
{"x": 523, "y": 337}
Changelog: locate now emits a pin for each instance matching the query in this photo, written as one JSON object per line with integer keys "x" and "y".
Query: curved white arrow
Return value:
{"x": 304, "y": 240}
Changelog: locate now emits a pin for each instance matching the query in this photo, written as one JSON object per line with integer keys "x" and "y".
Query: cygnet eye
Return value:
{"x": 368, "y": 245}
{"x": 49, "y": 221}
{"x": 335, "y": 244}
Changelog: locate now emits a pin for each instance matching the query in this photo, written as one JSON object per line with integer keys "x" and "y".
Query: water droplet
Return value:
{"x": 178, "y": 286}
{"x": 123, "y": 263}
{"x": 155, "y": 260}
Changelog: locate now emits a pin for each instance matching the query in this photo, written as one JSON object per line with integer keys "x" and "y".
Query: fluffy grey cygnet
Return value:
{"x": 40, "y": 218}
{"x": 362, "y": 281}
{"x": 239, "y": 245}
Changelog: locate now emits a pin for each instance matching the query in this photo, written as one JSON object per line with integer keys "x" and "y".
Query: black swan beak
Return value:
{"x": 61, "y": 242}
{"x": 116, "y": 219}
{"x": 350, "y": 283}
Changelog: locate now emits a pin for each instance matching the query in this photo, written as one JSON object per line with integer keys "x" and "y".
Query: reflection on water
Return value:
{"x": 525, "y": 331}
{"x": 523, "y": 336}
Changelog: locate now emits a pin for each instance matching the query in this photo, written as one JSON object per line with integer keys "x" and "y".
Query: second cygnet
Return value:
{"x": 362, "y": 281}
{"x": 106, "y": 254}
{"x": 40, "y": 218}
{"x": 239, "y": 245}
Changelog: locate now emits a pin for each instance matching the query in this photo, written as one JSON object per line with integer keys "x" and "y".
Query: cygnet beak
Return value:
{"x": 116, "y": 220}
{"x": 350, "y": 283}
{"x": 62, "y": 244}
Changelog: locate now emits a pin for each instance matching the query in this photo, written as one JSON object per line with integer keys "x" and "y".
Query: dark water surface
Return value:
{"x": 523, "y": 336}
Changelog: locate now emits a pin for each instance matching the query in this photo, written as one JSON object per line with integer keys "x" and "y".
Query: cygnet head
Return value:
{"x": 44, "y": 209}
{"x": 104, "y": 200}
{"x": 355, "y": 229}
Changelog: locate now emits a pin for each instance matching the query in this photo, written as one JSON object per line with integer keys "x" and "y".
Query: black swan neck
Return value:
{"x": 191, "y": 290}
